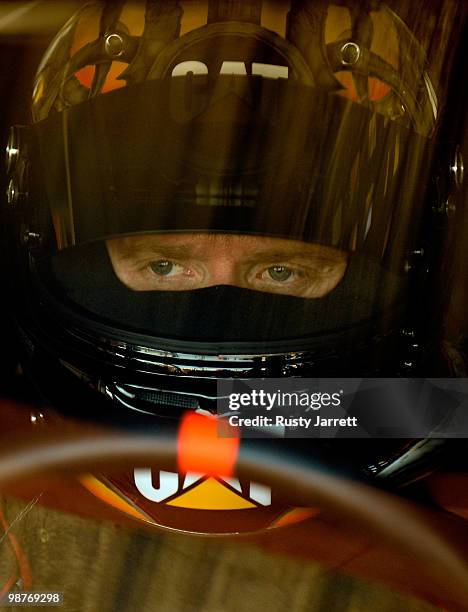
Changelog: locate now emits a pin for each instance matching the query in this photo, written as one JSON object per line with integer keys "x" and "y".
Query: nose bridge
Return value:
{"x": 222, "y": 267}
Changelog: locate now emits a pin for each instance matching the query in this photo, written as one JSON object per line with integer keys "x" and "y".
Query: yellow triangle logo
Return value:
{"x": 211, "y": 495}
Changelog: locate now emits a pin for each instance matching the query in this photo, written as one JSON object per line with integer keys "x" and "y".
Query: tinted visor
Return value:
{"x": 240, "y": 154}
{"x": 243, "y": 209}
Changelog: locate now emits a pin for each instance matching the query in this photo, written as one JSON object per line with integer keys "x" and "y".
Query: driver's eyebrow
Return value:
{"x": 283, "y": 254}
{"x": 170, "y": 251}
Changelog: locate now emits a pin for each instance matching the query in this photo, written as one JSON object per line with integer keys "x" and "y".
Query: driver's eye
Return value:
{"x": 279, "y": 273}
{"x": 163, "y": 267}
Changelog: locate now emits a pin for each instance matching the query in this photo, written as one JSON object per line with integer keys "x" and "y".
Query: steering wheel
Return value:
{"x": 402, "y": 525}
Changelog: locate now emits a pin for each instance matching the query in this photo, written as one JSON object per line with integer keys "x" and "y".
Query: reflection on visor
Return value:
{"x": 350, "y": 181}
{"x": 221, "y": 313}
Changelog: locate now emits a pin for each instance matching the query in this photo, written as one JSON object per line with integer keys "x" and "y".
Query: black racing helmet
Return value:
{"x": 218, "y": 189}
